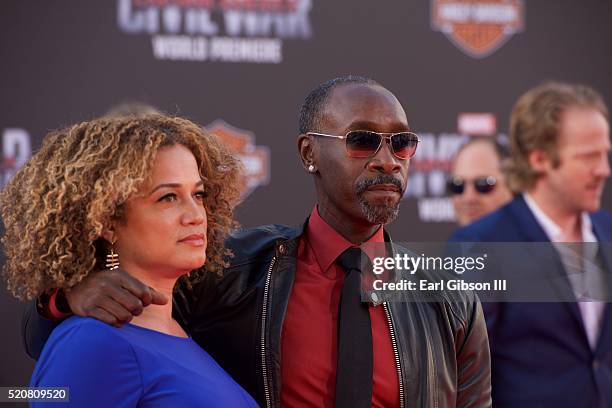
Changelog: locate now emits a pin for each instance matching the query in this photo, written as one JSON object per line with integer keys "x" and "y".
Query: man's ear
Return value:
{"x": 306, "y": 149}
{"x": 539, "y": 160}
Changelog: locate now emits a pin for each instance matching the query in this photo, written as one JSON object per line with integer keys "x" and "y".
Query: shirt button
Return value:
{"x": 281, "y": 249}
{"x": 595, "y": 364}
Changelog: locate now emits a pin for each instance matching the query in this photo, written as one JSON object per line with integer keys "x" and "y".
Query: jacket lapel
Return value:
{"x": 604, "y": 236}
{"x": 531, "y": 230}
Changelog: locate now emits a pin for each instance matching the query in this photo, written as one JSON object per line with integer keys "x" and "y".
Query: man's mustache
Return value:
{"x": 363, "y": 185}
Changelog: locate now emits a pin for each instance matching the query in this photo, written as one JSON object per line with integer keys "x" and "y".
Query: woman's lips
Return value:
{"x": 196, "y": 240}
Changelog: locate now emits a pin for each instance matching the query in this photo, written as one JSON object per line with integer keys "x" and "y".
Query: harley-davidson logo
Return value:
{"x": 256, "y": 159}
{"x": 478, "y": 27}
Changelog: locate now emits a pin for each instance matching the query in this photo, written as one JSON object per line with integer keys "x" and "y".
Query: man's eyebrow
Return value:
{"x": 366, "y": 125}
{"x": 172, "y": 185}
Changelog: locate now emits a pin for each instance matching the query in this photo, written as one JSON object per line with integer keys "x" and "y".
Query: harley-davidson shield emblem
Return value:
{"x": 478, "y": 27}
{"x": 255, "y": 159}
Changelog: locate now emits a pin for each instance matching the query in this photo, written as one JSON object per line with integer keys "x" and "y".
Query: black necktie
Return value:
{"x": 355, "y": 356}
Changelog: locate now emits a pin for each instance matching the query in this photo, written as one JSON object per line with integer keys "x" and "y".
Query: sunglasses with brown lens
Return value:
{"x": 366, "y": 143}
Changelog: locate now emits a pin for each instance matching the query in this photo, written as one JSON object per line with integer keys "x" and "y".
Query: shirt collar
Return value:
{"x": 552, "y": 230}
{"x": 327, "y": 244}
{"x": 587, "y": 229}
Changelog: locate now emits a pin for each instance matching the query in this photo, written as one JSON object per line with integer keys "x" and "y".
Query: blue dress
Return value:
{"x": 104, "y": 366}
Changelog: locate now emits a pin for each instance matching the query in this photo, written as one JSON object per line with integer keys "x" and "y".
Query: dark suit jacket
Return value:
{"x": 539, "y": 351}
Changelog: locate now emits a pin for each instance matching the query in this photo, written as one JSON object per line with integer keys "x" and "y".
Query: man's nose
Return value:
{"x": 384, "y": 161}
{"x": 603, "y": 167}
{"x": 469, "y": 191}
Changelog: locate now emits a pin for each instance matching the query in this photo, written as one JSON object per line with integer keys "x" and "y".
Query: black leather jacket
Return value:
{"x": 441, "y": 348}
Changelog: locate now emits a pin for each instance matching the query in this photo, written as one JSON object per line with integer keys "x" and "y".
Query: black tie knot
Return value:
{"x": 350, "y": 259}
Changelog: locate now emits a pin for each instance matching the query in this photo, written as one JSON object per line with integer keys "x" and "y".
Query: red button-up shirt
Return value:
{"x": 310, "y": 330}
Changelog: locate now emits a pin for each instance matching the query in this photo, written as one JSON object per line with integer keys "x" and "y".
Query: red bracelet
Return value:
{"x": 55, "y": 312}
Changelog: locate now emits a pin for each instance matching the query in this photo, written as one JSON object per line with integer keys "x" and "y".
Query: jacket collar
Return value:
{"x": 531, "y": 230}
{"x": 526, "y": 222}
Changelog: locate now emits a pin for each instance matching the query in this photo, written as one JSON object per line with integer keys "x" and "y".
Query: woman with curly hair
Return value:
{"x": 154, "y": 194}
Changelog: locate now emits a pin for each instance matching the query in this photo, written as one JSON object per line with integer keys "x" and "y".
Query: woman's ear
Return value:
{"x": 109, "y": 234}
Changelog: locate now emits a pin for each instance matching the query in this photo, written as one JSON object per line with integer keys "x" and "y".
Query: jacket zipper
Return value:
{"x": 396, "y": 352}
{"x": 264, "y": 312}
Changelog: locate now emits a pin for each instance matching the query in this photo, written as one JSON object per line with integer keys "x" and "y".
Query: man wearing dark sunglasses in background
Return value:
{"x": 477, "y": 185}
{"x": 286, "y": 320}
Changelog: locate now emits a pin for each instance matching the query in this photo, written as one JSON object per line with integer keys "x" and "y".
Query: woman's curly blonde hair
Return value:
{"x": 56, "y": 207}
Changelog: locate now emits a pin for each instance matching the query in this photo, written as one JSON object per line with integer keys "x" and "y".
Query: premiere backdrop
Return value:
{"x": 242, "y": 67}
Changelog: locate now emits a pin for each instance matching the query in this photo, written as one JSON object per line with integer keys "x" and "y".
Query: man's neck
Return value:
{"x": 568, "y": 220}
{"x": 352, "y": 231}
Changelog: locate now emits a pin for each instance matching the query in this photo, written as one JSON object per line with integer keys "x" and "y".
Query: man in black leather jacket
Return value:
{"x": 440, "y": 355}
